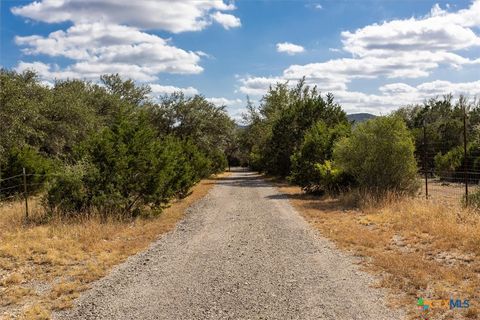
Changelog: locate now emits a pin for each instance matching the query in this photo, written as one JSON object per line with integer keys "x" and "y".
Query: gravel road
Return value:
{"x": 242, "y": 252}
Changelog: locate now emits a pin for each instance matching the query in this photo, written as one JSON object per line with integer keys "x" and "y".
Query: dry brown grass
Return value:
{"x": 45, "y": 266}
{"x": 417, "y": 248}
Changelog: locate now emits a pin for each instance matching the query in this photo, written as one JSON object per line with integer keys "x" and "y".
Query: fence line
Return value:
{"x": 23, "y": 176}
{"x": 466, "y": 178}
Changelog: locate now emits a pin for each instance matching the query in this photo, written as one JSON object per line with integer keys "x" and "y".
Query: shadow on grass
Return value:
{"x": 309, "y": 201}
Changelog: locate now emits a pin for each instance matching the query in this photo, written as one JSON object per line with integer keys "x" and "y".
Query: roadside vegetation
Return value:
{"x": 108, "y": 170}
{"x": 358, "y": 183}
{"x": 45, "y": 266}
{"x": 106, "y": 148}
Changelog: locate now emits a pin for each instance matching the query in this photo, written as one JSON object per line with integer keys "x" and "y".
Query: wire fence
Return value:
{"x": 22, "y": 186}
{"x": 456, "y": 182}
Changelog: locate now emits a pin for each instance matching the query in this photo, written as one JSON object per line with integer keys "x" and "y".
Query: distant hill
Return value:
{"x": 360, "y": 117}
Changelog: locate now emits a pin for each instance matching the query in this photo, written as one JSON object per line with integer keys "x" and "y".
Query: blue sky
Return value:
{"x": 373, "y": 55}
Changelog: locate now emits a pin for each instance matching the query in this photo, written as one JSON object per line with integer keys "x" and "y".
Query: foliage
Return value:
{"x": 379, "y": 154}
{"x": 195, "y": 119}
{"x": 312, "y": 168}
{"x": 443, "y": 122}
{"x": 111, "y": 149}
{"x": 37, "y": 168}
{"x": 277, "y": 128}
{"x": 452, "y": 165}
{"x": 21, "y": 99}
{"x": 67, "y": 192}
{"x": 126, "y": 168}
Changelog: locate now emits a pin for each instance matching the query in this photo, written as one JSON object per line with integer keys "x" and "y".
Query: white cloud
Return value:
{"x": 100, "y": 48}
{"x": 174, "y": 16}
{"x": 395, "y": 95}
{"x": 107, "y": 37}
{"x": 224, "y": 101}
{"x": 316, "y": 6}
{"x": 438, "y": 32}
{"x": 85, "y": 70}
{"x": 160, "y": 90}
{"x": 289, "y": 48}
{"x": 99, "y": 43}
{"x": 226, "y": 20}
{"x": 400, "y": 65}
{"x": 398, "y": 49}
{"x": 257, "y": 86}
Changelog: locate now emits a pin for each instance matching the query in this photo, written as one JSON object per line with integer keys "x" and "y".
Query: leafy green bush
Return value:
{"x": 36, "y": 166}
{"x": 126, "y": 168}
{"x": 451, "y": 166}
{"x": 380, "y": 156}
{"x": 446, "y": 164}
{"x": 311, "y": 165}
{"x": 67, "y": 192}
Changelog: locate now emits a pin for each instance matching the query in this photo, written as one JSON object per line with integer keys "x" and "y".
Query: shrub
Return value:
{"x": 451, "y": 166}
{"x": 67, "y": 192}
{"x": 36, "y": 166}
{"x": 380, "y": 156}
{"x": 446, "y": 164}
{"x": 311, "y": 165}
{"x": 126, "y": 168}
{"x": 218, "y": 161}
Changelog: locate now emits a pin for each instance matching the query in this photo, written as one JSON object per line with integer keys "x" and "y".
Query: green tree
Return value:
{"x": 195, "y": 119}
{"x": 312, "y": 168}
{"x": 379, "y": 154}
{"x": 306, "y": 107}
{"x": 21, "y": 100}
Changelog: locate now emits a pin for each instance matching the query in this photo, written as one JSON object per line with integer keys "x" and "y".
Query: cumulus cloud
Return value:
{"x": 226, "y": 20}
{"x": 394, "y": 95}
{"x": 257, "y": 86}
{"x": 160, "y": 90}
{"x": 85, "y": 70}
{"x": 289, "y": 48}
{"x": 100, "y": 48}
{"x": 224, "y": 101}
{"x": 399, "y": 49}
{"x": 174, "y": 16}
{"x": 438, "y": 32}
{"x": 108, "y": 36}
{"x": 113, "y": 48}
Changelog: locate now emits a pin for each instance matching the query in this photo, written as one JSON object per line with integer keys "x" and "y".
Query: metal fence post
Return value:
{"x": 425, "y": 164}
{"x": 25, "y": 194}
{"x": 465, "y": 153}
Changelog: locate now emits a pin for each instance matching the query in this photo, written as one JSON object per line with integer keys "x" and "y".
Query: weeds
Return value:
{"x": 45, "y": 265}
{"x": 417, "y": 248}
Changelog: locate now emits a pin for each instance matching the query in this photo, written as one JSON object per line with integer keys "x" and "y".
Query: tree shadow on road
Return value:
{"x": 248, "y": 180}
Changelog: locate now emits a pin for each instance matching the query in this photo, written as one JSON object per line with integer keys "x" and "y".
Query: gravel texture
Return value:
{"x": 242, "y": 252}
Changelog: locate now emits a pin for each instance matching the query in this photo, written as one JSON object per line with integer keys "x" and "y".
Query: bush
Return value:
{"x": 126, "y": 168}
{"x": 67, "y": 192}
{"x": 448, "y": 163}
{"x": 36, "y": 166}
{"x": 311, "y": 165}
{"x": 451, "y": 166}
{"x": 218, "y": 161}
{"x": 380, "y": 156}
